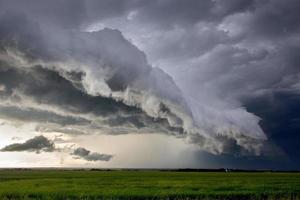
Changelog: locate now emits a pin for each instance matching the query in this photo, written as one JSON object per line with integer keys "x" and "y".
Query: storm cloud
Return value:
{"x": 194, "y": 69}
{"x": 114, "y": 90}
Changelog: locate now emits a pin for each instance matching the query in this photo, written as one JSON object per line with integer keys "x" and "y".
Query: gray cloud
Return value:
{"x": 40, "y": 144}
{"x": 36, "y": 144}
{"x": 53, "y": 99}
{"x": 85, "y": 82}
{"x": 100, "y": 82}
{"x": 82, "y": 153}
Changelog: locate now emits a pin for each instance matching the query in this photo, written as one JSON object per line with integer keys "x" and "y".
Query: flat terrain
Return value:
{"x": 59, "y": 184}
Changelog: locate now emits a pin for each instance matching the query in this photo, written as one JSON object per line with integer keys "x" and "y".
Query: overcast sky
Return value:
{"x": 162, "y": 83}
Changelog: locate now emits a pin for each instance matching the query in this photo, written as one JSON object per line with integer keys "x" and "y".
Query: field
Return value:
{"x": 59, "y": 184}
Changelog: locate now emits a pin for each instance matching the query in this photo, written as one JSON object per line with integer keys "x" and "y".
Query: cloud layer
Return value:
{"x": 68, "y": 73}
{"x": 104, "y": 86}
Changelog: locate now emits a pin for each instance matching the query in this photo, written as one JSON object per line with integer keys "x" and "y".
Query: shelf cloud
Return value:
{"x": 103, "y": 84}
{"x": 199, "y": 71}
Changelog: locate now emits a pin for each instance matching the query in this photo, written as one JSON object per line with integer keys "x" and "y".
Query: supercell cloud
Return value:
{"x": 207, "y": 71}
{"x": 101, "y": 81}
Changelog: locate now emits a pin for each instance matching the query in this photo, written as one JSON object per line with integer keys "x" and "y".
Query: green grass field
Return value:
{"x": 58, "y": 184}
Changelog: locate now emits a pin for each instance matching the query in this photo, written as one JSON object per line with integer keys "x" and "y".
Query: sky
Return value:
{"x": 150, "y": 84}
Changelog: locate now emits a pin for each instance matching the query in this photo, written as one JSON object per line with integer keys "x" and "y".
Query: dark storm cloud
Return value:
{"x": 48, "y": 89}
{"x": 262, "y": 74}
{"x": 233, "y": 52}
{"x": 46, "y": 94}
{"x": 82, "y": 153}
{"x": 36, "y": 144}
{"x": 221, "y": 54}
{"x": 281, "y": 122}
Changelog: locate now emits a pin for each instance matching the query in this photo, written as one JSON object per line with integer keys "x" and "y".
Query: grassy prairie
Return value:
{"x": 58, "y": 184}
